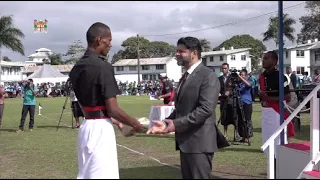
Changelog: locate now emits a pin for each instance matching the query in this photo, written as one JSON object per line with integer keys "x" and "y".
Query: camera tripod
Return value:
{"x": 237, "y": 103}
{"x": 63, "y": 108}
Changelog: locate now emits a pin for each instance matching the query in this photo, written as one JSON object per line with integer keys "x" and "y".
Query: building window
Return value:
{"x": 300, "y": 53}
{"x": 204, "y": 59}
{"x": 144, "y": 77}
{"x": 145, "y": 67}
{"x": 211, "y": 58}
{"x": 317, "y": 55}
{"x": 300, "y": 70}
{"x": 221, "y": 58}
{"x": 132, "y": 68}
{"x": 159, "y": 67}
{"x": 233, "y": 57}
{"x": 287, "y": 54}
{"x": 119, "y": 68}
{"x": 243, "y": 57}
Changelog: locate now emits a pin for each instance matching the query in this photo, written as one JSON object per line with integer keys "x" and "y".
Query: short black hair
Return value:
{"x": 244, "y": 70}
{"x": 192, "y": 44}
{"x": 30, "y": 80}
{"x": 225, "y": 64}
{"x": 95, "y": 30}
{"x": 273, "y": 54}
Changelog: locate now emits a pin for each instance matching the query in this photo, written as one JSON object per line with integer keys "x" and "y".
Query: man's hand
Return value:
{"x": 140, "y": 128}
{"x": 262, "y": 94}
{"x": 160, "y": 127}
{"x": 227, "y": 93}
{"x": 159, "y": 97}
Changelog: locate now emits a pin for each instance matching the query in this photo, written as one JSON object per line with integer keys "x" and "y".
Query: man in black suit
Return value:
{"x": 194, "y": 117}
{"x": 226, "y": 109}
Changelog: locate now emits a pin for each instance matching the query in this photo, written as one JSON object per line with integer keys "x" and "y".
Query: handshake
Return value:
{"x": 129, "y": 130}
{"x": 159, "y": 127}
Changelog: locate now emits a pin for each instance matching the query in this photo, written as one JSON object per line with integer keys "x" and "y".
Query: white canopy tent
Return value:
{"x": 47, "y": 74}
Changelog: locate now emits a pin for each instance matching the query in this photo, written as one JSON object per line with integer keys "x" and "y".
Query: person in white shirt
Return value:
{"x": 76, "y": 109}
{"x": 306, "y": 78}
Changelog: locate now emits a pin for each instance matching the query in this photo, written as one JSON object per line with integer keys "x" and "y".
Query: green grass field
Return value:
{"x": 47, "y": 153}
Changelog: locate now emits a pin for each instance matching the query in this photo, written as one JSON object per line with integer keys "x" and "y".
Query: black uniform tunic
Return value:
{"x": 93, "y": 80}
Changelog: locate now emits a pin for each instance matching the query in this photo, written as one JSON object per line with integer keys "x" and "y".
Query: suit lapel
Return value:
{"x": 189, "y": 79}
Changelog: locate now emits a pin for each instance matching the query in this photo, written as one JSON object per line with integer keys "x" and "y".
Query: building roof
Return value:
{"x": 312, "y": 45}
{"x": 224, "y": 52}
{"x": 60, "y": 68}
{"x": 46, "y": 71}
{"x": 43, "y": 50}
{"x": 143, "y": 61}
{"x": 40, "y": 54}
{"x": 6, "y": 63}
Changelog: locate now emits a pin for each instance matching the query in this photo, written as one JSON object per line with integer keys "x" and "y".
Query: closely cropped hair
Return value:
{"x": 192, "y": 44}
{"x": 97, "y": 29}
{"x": 244, "y": 70}
{"x": 273, "y": 54}
{"x": 225, "y": 64}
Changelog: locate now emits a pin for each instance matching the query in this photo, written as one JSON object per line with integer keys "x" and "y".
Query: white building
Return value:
{"x": 11, "y": 71}
{"x": 150, "y": 68}
{"x": 236, "y": 58}
{"x": 303, "y": 57}
{"x": 39, "y": 56}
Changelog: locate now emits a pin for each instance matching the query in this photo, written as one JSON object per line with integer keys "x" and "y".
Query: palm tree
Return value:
{"x": 10, "y": 36}
{"x": 205, "y": 44}
{"x": 272, "y": 32}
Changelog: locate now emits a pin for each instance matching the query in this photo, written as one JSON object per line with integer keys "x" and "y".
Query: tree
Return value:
{"x": 10, "y": 36}
{"x": 54, "y": 59}
{"x": 246, "y": 41}
{"x": 5, "y": 58}
{"x": 205, "y": 44}
{"x": 147, "y": 49}
{"x": 272, "y": 32}
{"x": 74, "y": 53}
{"x": 310, "y": 23}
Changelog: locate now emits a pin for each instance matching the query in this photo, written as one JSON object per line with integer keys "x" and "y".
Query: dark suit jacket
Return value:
{"x": 222, "y": 89}
{"x": 194, "y": 116}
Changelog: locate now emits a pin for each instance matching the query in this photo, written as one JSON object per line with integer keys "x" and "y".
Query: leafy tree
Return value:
{"x": 10, "y": 36}
{"x": 5, "y": 58}
{"x": 205, "y": 44}
{"x": 272, "y": 32}
{"x": 147, "y": 49}
{"x": 310, "y": 23}
{"x": 54, "y": 59}
{"x": 74, "y": 53}
{"x": 246, "y": 41}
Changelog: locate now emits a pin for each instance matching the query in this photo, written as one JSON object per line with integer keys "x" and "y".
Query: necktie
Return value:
{"x": 183, "y": 80}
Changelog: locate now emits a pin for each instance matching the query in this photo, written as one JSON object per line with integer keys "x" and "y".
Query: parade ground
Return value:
{"x": 48, "y": 153}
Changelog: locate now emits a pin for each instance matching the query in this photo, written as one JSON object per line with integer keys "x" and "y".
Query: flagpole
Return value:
{"x": 281, "y": 77}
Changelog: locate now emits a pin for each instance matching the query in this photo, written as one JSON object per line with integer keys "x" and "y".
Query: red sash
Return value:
{"x": 171, "y": 96}
{"x": 275, "y": 106}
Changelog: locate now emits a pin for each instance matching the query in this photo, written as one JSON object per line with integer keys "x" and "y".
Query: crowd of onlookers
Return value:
{"x": 145, "y": 87}
{"x": 48, "y": 89}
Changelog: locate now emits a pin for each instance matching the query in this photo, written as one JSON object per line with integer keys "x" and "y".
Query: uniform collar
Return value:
{"x": 270, "y": 71}
{"x": 93, "y": 53}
